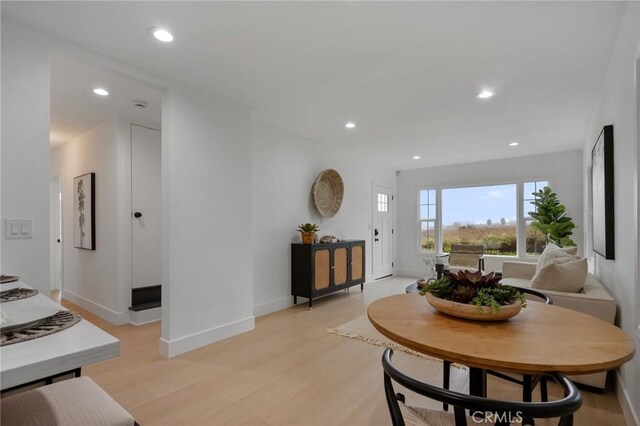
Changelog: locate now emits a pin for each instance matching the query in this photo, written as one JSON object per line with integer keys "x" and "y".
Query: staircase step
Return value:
{"x": 144, "y": 306}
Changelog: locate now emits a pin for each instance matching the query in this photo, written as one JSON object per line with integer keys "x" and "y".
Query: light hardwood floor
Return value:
{"x": 288, "y": 371}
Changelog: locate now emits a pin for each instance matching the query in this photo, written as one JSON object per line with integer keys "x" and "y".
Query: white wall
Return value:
{"x": 91, "y": 277}
{"x": 25, "y": 152}
{"x": 284, "y": 169}
{"x": 207, "y": 226}
{"x": 563, "y": 171}
{"x": 206, "y": 205}
{"x": 617, "y": 106}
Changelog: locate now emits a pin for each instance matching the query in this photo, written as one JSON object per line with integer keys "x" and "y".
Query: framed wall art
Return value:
{"x": 602, "y": 197}
{"x": 84, "y": 223}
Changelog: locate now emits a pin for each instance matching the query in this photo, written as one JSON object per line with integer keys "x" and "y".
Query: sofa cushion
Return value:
{"x": 594, "y": 300}
{"x": 549, "y": 251}
{"x": 562, "y": 272}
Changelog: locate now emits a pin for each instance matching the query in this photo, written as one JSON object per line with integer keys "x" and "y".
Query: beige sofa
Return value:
{"x": 593, "y": 300}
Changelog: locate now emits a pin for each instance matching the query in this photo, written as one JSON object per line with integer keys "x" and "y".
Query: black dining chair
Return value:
{"x": 528, "y": 382}
{"x": 500, "y": 413}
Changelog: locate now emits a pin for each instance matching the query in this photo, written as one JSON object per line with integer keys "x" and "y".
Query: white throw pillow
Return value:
{"x": 562, "y": 272}
{"x": 551, "y": 248}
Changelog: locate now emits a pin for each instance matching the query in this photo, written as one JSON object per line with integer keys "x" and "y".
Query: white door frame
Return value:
{"x": 637, "y": 194}
{"x": 132, "y": 219}
{"x": 125, "y": 210}
{"x": 374, "y": 206}
{"x": 56, "y": 253}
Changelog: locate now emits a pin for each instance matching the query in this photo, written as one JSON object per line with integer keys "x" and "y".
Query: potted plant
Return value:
{"x": 308, "y": 232}
{"x": 551, "y": 218}
{"x": 472, "y": 295}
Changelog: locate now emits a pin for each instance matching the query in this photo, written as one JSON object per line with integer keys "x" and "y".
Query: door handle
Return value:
{"x": 137, "y": 215}
{"x": 375, "y": 232}
{"x": 376, "y": 239}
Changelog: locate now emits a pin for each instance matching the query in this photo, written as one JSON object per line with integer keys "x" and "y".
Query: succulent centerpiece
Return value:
{"x": 473, "y": 295}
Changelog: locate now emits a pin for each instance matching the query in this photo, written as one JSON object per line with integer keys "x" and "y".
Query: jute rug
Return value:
{"x": 360, "y": 329}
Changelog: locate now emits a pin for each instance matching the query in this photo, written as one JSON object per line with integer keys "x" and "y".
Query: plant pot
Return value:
{"x": 472, "y": 312}
{"x": 308, "y": 237}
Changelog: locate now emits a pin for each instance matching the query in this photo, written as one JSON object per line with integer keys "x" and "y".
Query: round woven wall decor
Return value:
{"x": 327, "y": 191}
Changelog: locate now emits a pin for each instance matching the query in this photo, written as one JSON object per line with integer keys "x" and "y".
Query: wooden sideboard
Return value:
{"x": 319, "y": 269}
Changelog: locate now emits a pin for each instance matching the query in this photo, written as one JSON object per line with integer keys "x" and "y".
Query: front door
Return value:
{"x": 145, "y": 201}
{"x": 382, "y": 231}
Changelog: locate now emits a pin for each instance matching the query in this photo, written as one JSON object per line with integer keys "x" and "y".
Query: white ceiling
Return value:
{"x": 406, "y": 73}
{"x": 75, "y": 108}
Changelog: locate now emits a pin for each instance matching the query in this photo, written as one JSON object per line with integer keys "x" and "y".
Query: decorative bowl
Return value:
{"x": 327, "y": 192}
{"x": 472, "y": 312}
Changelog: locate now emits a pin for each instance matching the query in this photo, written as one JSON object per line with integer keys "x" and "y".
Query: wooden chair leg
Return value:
{"x": 446, "y": 376}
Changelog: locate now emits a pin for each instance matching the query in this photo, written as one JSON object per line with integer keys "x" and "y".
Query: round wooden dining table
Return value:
{"x": 541, "y": 339}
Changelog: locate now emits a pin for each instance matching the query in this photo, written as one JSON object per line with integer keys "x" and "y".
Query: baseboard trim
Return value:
{"x": 169, "y": 349}
{"x": 628, "y": 409}
{"x": 410, "y": 274}
{"x": 115, "y": 318}
{"x": 269, "y": 307}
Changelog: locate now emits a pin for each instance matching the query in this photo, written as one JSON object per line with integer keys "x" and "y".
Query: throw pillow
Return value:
{"x": 563, "y": 272}
{"x": 551, "y": 248}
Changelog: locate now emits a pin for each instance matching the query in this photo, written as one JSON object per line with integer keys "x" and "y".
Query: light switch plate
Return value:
{"x": 18, "y": 228}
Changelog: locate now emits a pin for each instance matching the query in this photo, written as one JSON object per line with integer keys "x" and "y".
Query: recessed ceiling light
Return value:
{"x": 100, "y": 91}
{"x": 485, "y": 94}
{"x": 416, "y": 157}
{"x": 514, "y": 144}
{"x": 162, "y": 34}
{"x": 350, "y": 125}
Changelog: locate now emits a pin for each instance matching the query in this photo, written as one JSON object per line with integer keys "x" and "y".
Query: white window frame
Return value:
{"x": 521, "y": 216}
{"x": 436, "y": 224}
{"x": 524, "y": 217}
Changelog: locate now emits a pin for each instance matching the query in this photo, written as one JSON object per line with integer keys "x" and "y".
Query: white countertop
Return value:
{"x": 75, "y": 347}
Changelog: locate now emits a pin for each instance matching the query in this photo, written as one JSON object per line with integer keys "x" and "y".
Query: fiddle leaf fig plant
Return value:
{"x": 308, "y": 227}
{"x": 551, "y": 219}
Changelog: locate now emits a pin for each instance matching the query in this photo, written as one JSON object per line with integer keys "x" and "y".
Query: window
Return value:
{"x": 484, "y": 215}
{"x": 535, "y": 241}
{"x": 383, "y": 202}
{"x": 427, "y": 220}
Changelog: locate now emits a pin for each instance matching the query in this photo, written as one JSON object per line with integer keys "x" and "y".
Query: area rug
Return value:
{"x": 360, "y": 329}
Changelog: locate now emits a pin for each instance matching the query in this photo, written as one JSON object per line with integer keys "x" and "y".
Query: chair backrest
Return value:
{"x": 465, "y": 255}
{"x": 501, "y": 412}
{"x": 467, "y": 248}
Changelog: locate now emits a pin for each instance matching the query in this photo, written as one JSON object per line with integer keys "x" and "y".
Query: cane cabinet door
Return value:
{"x": 340, "y": 265}
{"x": 357, "y": 262}
{"x": 322, "y": 271}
